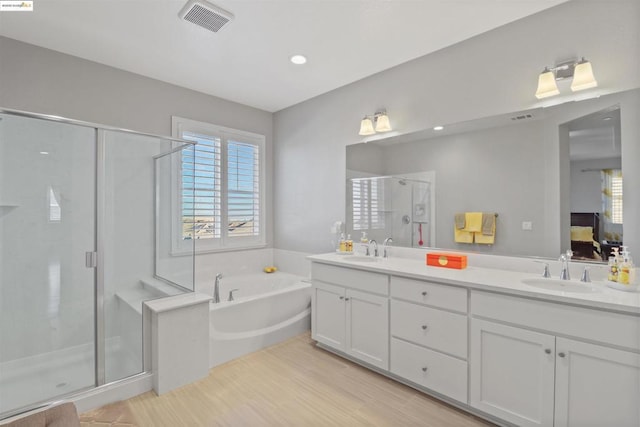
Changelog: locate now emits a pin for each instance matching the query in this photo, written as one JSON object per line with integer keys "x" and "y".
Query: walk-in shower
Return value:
{"x": 81, "y": 244}
{"x": 388, "y": 206}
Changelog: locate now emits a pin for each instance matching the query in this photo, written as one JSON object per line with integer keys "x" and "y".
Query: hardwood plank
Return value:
{"x": 293, "y": 383}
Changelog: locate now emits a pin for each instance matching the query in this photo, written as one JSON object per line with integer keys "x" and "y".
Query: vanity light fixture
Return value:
{"x": 381, "y": 120}
{"x": 581, "y": 72}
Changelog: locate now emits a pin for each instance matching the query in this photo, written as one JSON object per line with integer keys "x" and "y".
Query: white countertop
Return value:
{"x": 490, "y": 279}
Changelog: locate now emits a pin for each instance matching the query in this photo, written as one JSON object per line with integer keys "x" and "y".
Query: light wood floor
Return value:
{"x": 290, "y": 384}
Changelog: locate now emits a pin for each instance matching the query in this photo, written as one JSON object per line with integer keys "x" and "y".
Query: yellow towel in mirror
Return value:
{"x": 462, "y": 236}
{"x": 484, "y": 239}
{"x": 473, "y": 221}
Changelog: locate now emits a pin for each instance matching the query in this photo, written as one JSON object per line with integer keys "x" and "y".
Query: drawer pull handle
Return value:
{"x": 341, "y": 297}
{"x": 424, "y": 293}
{"x": 547, "y": 350}
{"x": 424, "y": 369}
{"x": 424, "y": 327}
{"x": 561, "y": 354}
{"x": 346, "y": 299}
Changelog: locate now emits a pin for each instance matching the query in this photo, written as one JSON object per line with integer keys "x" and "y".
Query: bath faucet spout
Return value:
{"x": 385, "y": 247}
{"x": 216, "y": 288}
{"x": 375, "y": 247}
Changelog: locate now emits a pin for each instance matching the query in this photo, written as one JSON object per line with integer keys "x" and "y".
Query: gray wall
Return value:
{"x": 491, "y": 74}
{"x": 484, "y": 171}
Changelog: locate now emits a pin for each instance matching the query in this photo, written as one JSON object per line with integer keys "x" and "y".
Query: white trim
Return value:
{"x": 179, "y": 125}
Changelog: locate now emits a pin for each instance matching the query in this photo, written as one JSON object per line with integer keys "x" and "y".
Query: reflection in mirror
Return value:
{"x": 526, "y": 166}
{"x": 381, "y": 207}
{"x": 596, "y": 184}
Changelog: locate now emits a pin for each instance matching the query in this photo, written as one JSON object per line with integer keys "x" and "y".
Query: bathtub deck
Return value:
{"x": 289, "y": 384}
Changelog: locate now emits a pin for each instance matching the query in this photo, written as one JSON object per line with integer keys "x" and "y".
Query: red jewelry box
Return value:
{"x": 447, "y": 260}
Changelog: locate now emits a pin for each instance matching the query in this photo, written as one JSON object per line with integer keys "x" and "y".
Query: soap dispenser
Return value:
{"x": 349, "y": 243}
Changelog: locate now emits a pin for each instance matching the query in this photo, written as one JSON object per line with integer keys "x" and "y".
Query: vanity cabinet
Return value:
{"x": 429, "y": 335}
{"x": 515, "y": 359}
{"x": 512, "y": 373}
{"x": 534, "y": 378}
{"x": 349, "y": 319}
{"x": 596, "y": 385}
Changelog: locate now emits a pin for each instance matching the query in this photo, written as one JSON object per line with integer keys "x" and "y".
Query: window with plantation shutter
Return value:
{"x": 616, "y": 199}
{"x": 201, "y": 188}
{"x": 366, "y": 199}
{"x": 221, "y": 192}
{"x": 243, "y": 189}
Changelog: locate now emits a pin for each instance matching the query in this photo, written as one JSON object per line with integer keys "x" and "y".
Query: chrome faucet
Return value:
{"x": 231, "y": 294}
{"x": 565, "y": 259}
{"x": 375, "y": 248}
{"x": 585, "y": 275}
{"x": 216, "y": 288}
{"x": 385, "y": 245}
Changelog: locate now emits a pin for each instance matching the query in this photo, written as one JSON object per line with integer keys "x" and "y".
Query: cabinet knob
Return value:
{"x": 346, "y": 299}
{"x": 561, "y": 354}
{"x": 547, "y": 350}
{"x": 424, "y": 327}
{"x": 341, "y": 297}
{"x": 424, "y": 369}
{"x": 424, "y": 293}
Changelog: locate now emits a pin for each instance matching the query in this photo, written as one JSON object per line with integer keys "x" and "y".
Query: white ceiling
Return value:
{"x": 248, "y": 61}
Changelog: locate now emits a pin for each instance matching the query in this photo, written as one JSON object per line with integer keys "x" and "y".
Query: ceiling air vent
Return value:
{"x": 206, "y": 15}
{"x": 522, "y": 117}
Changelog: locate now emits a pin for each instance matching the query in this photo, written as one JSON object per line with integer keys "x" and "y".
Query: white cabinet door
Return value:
{"x": 368, "y": 328}
{"x": 329, "y": 315}
{"x": 596, "y": 385}
{"x": 512, "y": 373}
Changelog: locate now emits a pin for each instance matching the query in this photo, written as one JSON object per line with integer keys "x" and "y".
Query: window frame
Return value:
{"x": 180, "y": 246}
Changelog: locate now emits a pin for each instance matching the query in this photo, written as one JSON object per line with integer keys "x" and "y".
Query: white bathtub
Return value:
{"x": 267, "y": 309}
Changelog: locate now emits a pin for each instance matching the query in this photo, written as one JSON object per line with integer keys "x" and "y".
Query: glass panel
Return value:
{"x": 47, "y": 224}
{"x": 174, "y": 252}
{"x": 131, "y": 176}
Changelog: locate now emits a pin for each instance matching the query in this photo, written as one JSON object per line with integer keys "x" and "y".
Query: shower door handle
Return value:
{"x": 91, "y": 259}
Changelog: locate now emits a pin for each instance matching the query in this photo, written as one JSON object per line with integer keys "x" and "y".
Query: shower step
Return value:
{"x": 146, "y": 289}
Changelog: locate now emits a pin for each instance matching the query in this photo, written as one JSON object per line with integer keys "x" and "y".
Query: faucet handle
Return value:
{"x": 545, "y": 273}
{"x": 585, "y": 275}
{"x": 231, "y": 294}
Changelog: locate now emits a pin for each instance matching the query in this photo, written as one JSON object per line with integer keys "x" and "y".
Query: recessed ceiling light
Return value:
{"x": 438, "y": 128}
{"x": 298, "y": 59}
{"x": 44, "y": 152}
{"x": 607, "y": 118}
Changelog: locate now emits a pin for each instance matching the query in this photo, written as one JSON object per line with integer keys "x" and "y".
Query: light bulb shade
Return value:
{"x": 583, "y": 76}
{"x": 547, "y": 85}
{"x": 366, "y": 127}
{"x": 382, "y": 123}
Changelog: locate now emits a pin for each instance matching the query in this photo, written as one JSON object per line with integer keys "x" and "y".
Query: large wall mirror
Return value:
{"x": 554, "y": 178}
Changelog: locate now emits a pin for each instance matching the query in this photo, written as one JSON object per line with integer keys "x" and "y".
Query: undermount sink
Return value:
{"x": 362, "y": 258}
{"x": 561, "y": 285}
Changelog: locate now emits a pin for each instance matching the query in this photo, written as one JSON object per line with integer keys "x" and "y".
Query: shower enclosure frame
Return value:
{"x": 95, "y": 259}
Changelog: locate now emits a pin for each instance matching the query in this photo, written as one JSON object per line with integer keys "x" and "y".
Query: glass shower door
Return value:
{"x": 47, "y": 226}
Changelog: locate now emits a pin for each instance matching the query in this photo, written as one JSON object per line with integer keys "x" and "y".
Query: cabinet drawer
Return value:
{"x": 433, "y": 328}
{"x": 351, "y": 278}
{"x": 438, "y": 372}
{"x": 443, "y": 296}
{"x": 592, "y": 324}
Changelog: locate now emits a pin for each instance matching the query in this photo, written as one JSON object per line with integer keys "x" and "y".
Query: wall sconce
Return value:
{"x": 581, "y": 72}
{"x": 381, "y": 120}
